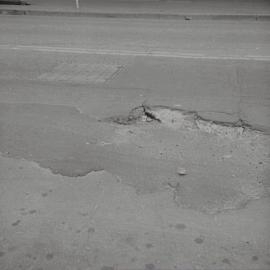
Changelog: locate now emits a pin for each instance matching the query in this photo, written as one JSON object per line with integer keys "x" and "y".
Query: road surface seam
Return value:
{"x": 140, "y": 15}
{"x": 133, "y": 53}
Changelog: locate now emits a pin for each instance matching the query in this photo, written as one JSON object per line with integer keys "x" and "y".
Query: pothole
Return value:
{"x": 205, "y": 173}
{"x": 176, "y": 118}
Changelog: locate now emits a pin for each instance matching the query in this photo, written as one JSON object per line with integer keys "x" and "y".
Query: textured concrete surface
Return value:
{"x": 112, "y": 198}
{"x": 88, "y": 183}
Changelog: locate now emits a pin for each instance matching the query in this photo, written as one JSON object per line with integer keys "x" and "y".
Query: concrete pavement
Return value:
{"x": 209, "y": 68}
{"x": 91, "y": 180}
{"x": 206, "y": 9}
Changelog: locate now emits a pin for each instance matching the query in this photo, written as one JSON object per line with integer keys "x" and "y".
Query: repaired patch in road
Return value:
{"x": 69, "y": 143}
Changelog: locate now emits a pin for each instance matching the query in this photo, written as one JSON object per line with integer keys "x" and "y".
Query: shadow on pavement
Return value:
{"x": 15, "y": 2}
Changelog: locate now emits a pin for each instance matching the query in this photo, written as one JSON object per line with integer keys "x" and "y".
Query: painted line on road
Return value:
{"x": 150, "y": 53}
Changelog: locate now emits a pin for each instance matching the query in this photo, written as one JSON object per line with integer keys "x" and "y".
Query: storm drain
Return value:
{"x": 81, "y": 73}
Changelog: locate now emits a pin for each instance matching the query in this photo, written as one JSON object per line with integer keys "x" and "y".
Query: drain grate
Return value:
{"x": 81, "y": 73}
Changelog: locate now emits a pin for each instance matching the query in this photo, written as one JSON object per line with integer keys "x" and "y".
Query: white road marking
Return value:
{"x": 149, "y": 53}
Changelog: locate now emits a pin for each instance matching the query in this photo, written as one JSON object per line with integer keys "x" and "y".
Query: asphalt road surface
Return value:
{"x": 202, "y": 65}
{"x": 134, "y": 144}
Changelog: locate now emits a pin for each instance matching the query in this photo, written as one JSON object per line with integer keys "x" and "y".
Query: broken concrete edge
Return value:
{"x": 145, "y": 113}
{"x": 240, "y": 123}
{"x": 186, "y": 17}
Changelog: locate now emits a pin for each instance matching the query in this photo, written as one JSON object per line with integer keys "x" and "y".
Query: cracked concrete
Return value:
{"x": 80, "y": 190}
{"x": 82, "y": 193}
{"x": 222, "y": 188}
{"x": 221, "y": 93}
{"x": 137, "y": 208}
{"x": 72, "y": 144}
{"x": 77, "y": 187}
{"x": 219, "y": 90}
{"x": 176, "y": 118}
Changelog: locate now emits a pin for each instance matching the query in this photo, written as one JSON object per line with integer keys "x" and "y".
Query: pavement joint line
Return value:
{"x": 138, "y": 15}
{"x": 134, "y": 53}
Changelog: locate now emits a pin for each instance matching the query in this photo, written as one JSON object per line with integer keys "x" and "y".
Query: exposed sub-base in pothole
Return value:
{"x": 178, "y": 118}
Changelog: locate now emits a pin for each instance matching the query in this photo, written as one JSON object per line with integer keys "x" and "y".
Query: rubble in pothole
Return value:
{"x": 176, "y": 118}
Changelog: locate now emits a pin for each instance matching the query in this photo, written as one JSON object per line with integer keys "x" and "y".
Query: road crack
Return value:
{"x": 180, "y": 118}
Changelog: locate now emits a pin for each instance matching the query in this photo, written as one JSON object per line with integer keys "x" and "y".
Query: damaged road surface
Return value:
{"x": 117, "y": 188}
{"x": 134, "y": 144}
{"x": 72, "y": 144}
